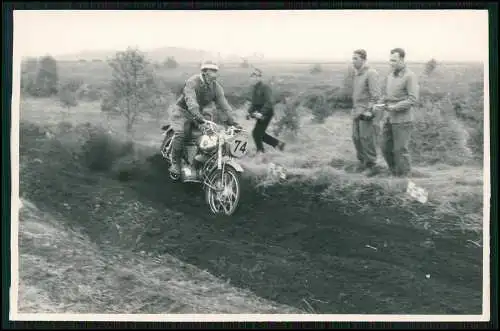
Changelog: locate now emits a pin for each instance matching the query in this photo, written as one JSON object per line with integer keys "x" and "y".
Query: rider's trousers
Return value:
{"x": 182, "y": 126}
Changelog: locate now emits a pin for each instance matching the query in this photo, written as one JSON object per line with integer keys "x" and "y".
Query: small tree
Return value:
{"x": 131, "y": 85}
{"x": 46, "y": 79}
{"x": 319, "y": 107}
{"x": 67, "y": 98}
{"x": 316, "y": 69}
{"x": 29, "y": 65}
{"x": 289, "y": 119}
{"x": 160, "y": 99}
{"x": 171, "y": 63}
{"x": 430, "y": 66}
{"x": 245, "y": 64}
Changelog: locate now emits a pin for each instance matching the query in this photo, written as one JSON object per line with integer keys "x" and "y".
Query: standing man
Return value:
{"x": 192, "y": 107}
{"x": 401, "y": 96}
{"x": 262, "y": 109}
{"x": 366, "y": 92}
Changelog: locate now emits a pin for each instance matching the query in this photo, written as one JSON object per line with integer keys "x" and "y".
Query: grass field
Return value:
{"x": 327, "y": 240}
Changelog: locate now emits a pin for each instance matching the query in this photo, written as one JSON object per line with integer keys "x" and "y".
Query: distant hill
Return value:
{"x": 182, "y": 55}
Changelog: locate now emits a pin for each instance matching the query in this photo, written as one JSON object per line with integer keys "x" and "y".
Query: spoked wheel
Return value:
{"x": 225, "y": 196}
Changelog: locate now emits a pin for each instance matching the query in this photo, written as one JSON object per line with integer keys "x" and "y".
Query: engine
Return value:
{"x": 207, "y": 143}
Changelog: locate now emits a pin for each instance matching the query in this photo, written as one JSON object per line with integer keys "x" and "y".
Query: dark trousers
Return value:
{"x": 395, "y": 147}
{"x": 181, "y": 139}
{"x": 365, "y": 137}
{"x": 260, "y": 136}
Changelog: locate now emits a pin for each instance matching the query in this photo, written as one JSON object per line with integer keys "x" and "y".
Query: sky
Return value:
{"x": 446, "y": 35}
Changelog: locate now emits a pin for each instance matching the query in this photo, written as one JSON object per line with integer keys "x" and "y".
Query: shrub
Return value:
{"x": 316, "y": 69}
{"x": 430, "y": 66}
{"x": 245, "y": 64}
{"x": 67, "y": 97}
{"x": 171, "y": 63}
{"x": 101, "y": 150}
{"x": 439, "y": 136}
{"x": 46, "y": 80}
{"x": 89, "y": 93}
{"x": 319, "y": 107}
{"x": 287, "y": 119}
{"x": 28, "y": 84}
{"x": 108, "y": 104}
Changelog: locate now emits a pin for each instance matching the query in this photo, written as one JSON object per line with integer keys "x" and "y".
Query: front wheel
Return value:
{"x": 224, "y": 195}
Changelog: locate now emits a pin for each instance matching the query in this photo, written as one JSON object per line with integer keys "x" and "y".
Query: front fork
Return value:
{"x": 220, "y": 166}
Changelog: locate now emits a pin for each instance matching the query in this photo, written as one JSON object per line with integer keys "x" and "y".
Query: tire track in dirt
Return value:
{"x": 277, "y": 248}
{"x": 319, "y": 255}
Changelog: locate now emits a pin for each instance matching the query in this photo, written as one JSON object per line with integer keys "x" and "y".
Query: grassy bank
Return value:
{"x": 287, "y": 241}
{"x": 322, "y": 155}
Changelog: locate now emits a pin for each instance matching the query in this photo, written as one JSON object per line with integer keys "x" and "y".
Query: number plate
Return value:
{"x": 417, "y": 192}
{"x": 238, "y": 146}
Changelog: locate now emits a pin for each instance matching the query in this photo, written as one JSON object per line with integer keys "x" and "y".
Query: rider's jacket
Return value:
{"x": 198, "y": 94}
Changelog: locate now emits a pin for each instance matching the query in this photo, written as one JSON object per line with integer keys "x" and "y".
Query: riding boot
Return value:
{"x": 177, "y": 150}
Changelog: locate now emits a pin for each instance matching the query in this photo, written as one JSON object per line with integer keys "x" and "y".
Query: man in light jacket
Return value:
{"x": 365, "y": 128}
{"x": 400, "y": 98}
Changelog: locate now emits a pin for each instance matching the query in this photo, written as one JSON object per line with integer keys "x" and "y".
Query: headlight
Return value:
{"x": 208, "y": 142}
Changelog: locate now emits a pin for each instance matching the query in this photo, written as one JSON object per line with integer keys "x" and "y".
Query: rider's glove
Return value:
{"x": 236, "y": 125}
{"x": 199, "y": 119}
{"x": 366, "y": 116}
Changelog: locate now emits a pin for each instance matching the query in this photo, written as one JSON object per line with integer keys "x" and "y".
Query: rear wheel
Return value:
{"x": 224, "y": 197}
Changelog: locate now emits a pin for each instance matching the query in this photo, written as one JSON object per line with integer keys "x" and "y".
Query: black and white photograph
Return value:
{"x": 250, "y": 165}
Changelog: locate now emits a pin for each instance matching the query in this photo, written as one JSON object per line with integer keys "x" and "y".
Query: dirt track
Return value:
{"x": 320, "y": 261}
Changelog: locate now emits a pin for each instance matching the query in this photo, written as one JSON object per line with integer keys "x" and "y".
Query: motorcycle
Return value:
{"x": 210, "y": 159}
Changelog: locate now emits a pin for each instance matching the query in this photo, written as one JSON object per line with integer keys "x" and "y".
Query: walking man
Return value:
{"x": 262, "y": 109}
{"x": 400, "y": 98}
{"x": 366, "y": 92}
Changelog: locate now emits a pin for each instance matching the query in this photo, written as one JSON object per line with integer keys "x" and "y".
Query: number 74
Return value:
{"x": 239, "y": 146}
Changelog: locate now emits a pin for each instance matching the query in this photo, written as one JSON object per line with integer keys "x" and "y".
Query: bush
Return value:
{"x": 67, "y": 97}
{"x": 46, "y": 80}
{"x": 430, "y": 66}
{"x": 108, "y": 103}
{"x": 89, "y": 93}
{"x": 439, "y": 136}
{"x": 28, "y": 84}
{"x": 287, "y": 116}
{"x": 101, "y": 150}
{"x": 316, "y": 69}
{"x": 319, "y": 107}
{"x": 171, "y": 63}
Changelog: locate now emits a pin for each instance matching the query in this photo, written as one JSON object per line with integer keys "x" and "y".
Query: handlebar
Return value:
{"x": 214, "y": 126}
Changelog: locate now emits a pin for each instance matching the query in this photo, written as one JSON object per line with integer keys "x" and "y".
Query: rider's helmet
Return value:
{"x": 209, "y": 64}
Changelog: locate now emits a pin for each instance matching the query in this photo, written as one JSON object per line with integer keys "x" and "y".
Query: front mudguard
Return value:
{"x": 234, "y": 164}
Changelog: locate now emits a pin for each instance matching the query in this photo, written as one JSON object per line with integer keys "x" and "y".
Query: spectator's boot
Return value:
{"x": 360, "y": 167}
{"x": 371, "y": 170}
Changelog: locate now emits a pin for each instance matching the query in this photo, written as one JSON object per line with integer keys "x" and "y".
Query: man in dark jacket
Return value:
{"x": 262, "y": 109}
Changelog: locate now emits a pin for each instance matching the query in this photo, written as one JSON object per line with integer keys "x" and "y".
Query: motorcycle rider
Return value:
{"x": 199, "y": 92}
